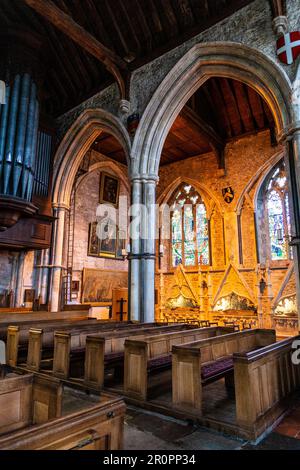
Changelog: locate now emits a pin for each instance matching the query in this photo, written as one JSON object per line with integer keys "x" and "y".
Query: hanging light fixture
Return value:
{"x": 2, "y": 92}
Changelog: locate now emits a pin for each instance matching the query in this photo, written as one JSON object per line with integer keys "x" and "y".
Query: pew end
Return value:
{"x": 12, "y": 345}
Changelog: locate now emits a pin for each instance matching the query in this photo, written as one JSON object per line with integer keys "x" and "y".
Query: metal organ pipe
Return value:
{"x": 3, "y": 127}
{"x": 18, "y": 135}
{"x": 11, "y": 131}
{"x": 21, "y": 132}
{"x": 29, "y": 138}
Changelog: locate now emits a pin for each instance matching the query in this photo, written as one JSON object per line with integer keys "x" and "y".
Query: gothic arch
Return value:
{"x": 76, "y": 143}
{"x": 105, "y": 166}
{"x": 258, "y": 179}
{"x": 203, "y": 61}
{"x": 208, "y": 197}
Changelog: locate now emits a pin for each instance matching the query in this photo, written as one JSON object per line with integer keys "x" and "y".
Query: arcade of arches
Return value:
{"x": 171, "y": 196}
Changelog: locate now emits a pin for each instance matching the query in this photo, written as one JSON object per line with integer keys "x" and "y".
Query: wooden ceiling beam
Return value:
{"x": 216, "y": 142}
{"x": 278, "y": 7}
{"x": 113, "y": 63}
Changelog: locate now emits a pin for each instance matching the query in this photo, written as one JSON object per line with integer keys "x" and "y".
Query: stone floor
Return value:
{"x": 150, "y": 431}
{"x": 145, "y": 430}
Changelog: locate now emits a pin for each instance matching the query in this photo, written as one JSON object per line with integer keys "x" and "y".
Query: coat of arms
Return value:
{"x": 228, "y": 194}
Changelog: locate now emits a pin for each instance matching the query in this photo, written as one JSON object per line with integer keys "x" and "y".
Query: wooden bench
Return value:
{"x": 87, "y": 360}
{"x": 198, "y": 363}
{"x": 146, "y": 355}
{"x": 73, "y": 339}
{"x": 18, "y": 337}
{"x": 97, "y": 428}
{"x": 25, "y": 399}
{"x": 264, "y": 380}
{"x": 24, "y": 323}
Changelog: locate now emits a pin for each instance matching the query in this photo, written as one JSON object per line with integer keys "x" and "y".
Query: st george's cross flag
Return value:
{"x": 288, "y": 47}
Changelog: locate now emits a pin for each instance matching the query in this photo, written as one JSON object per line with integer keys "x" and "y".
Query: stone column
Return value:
{"x": 148, "y": 252}
{"x": 292, "y": 161}
{"x": 19, "y": 300}
{"x": 57, "y": 257}
{"x": 134, "y": 295}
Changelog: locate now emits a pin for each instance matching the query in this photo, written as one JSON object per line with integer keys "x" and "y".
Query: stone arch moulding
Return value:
{"x": 231, "y": 60}
{"x": 209, "y": 198}
{"x": 258, "y": 179}
{"x": 106, "y": 166}
{"x": 76, "y": 143}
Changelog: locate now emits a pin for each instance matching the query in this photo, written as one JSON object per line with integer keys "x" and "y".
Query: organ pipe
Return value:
{"x": 19, "y": 120}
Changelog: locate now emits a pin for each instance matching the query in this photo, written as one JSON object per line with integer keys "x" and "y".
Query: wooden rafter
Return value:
{"x": 113, "y": 63}
{"x": 278, "y": 7}
{"x": 216, "y": 142}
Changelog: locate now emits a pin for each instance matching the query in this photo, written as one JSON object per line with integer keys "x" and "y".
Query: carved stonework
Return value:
{"x": 287, "y": 306}
{"x": 234, "y": 302}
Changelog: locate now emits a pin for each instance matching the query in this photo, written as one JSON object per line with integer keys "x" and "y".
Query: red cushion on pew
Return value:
{"x": 217, "y": 367}
{"x": 112, "y": 356}
{"x": 161, "y": 361}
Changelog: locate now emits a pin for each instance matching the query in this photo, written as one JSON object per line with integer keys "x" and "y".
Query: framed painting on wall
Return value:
{"x": 93, "y": 247}
{"x": 109, "y": 189}
{"x": 98, "y": 284}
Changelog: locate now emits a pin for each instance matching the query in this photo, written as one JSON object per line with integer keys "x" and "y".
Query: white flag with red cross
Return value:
{"x": 288, "y": 47}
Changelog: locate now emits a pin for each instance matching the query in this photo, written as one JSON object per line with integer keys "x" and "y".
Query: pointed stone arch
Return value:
{"x": 76, "y": 143}
{"x": 231, "y": 60}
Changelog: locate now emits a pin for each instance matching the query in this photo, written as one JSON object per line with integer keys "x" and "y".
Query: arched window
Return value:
{"x": 189, "y": 228}
{"x": 278, "y": 214}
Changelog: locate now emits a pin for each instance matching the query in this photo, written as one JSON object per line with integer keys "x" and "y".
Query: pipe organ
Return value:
{"x": 26, "y": 150}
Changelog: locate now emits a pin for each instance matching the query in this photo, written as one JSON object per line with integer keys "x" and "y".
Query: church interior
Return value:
{"x": 149, "y": 225}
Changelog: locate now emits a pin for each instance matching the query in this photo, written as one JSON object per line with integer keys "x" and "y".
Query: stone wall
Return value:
{"x": 86, "y": 203}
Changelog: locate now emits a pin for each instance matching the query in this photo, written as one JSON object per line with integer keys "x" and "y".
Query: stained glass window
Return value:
{"x": 190, "y": 229}
{"x": 278, "y": 215}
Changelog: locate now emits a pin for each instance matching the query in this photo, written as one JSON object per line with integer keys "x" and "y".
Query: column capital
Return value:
{"x": 289, "y": 132}
{"x": 60, "y": 206}
{"x": 144, "y": 178}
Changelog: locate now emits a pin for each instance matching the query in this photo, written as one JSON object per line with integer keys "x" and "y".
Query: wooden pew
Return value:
{"x": 153, "y": 353}
{"x": 198, "y": 363}
{"x": 18, "y": 337}
{"x": 25, "y": 399}
{"x": 74, "y": 340}
{"x": 108, "y": 351}
{"x": 97, "y": 428}
{"x": 24, "y": 323}
{"x": 264, "y": 379}
{"x": 95, "y": 352}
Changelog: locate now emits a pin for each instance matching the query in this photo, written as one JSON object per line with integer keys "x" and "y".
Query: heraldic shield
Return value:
{"x": 228, "y": 194}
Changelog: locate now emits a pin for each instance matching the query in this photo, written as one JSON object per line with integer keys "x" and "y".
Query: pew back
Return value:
{"x": 25, "y": 400}
{"x": 95, "y": 347}
{"x": 139, "y": 351}
{"x": 97, "y": 428}
{"x": 17, "y": 335}
{"x": 263, "y": 380}
{"x": 188, "y": 361}
{"x": 214, "y": 348}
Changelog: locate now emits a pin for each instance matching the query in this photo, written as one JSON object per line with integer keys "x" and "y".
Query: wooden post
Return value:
{"x": 186, "y": 379}
{"x": 12, "y": 345}
{"x": 34, "y": 352}
{"x": 135, "y": 369}
{"x": 94, "y": 362}
{"x": 61, "y": 359}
